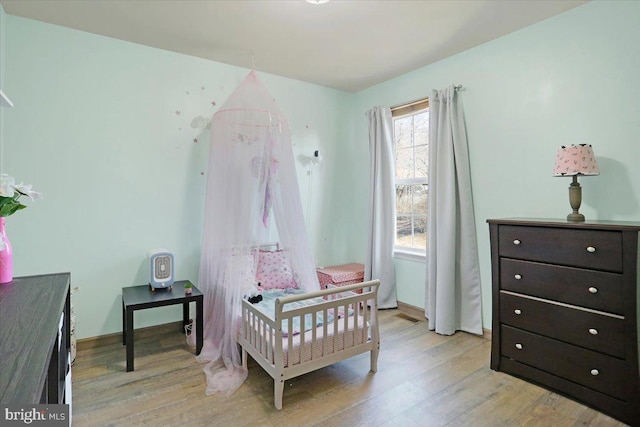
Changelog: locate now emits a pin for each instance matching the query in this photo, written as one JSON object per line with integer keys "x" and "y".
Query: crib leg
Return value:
{"x": 244, "y": 358}
{"x": 278, "y": 390}
{"x": 374, "y": 359}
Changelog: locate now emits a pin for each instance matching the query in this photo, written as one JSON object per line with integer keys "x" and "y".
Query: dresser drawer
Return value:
{"x": 587, "y": 288}
{"x": 581, "y": 327}
{"x": 585, "y": 367}
{"x": 593, "y": 249}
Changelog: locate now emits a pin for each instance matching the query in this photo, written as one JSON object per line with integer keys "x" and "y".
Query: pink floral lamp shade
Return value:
{"x": 576, "y": 160}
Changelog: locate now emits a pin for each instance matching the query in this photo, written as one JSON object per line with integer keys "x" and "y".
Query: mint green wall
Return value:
{"x": 570, "y": 79}
{"x": 95, "y": 129}
{"x": 2, "y": 50}
{"x": 2, "y": 31}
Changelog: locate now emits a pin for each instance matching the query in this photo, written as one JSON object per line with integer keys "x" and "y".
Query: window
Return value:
{"x": 411, "y": 144}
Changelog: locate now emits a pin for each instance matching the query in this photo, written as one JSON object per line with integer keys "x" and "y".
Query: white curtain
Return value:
{"x": 251, "y": 175}
{"x": 453, "y": 277}
{"x": 382, "y": 203}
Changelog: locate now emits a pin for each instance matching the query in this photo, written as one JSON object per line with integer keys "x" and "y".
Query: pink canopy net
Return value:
{"x": 251, "y": 185}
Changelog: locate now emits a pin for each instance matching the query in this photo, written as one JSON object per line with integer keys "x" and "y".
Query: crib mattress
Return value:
{"x": 323, "y": 346}
{"x": 305, "y": 350}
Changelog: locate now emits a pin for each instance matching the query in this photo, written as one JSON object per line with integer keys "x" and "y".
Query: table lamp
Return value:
{"x": 573, "y": 161}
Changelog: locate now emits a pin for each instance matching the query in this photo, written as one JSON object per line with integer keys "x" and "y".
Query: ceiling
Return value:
{"x": 343, "y": 44}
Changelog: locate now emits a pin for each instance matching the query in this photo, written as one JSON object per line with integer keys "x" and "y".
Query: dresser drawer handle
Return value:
{"x": 516, "y": 242}
{"x": 595, "y": 372}
{"x": 593, "y": 331}
{"x": 593, "y": 290}
{"x": 519, "y": 346}
{"x": 518, "y": 277}
{"x": 517, "y": 311}
{"x": 591, "y": 249}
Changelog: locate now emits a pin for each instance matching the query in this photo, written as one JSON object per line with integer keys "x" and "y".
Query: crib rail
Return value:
{"x": 345, "y": 320}
{"x": 349, "y": 327}
{"x": 258, "y": 331}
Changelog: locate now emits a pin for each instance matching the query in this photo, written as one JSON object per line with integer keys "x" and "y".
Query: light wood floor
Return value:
{"x": 423, "y": 379}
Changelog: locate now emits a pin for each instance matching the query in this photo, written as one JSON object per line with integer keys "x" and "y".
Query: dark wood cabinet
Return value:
{"x": 35, "y": 339}
{"x": 565, "y": 309}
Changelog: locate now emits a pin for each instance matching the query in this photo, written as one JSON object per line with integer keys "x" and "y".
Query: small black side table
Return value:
{"x": 141, "y": 297}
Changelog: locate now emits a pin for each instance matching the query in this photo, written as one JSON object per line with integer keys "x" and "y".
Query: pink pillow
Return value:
{"x": 274, "y": 271}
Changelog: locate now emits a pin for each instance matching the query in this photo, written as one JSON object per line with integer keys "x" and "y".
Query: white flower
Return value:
{"x": 7, "y": 184}
{"x": 10, "y": 194}
{"x": 27, "y": 191}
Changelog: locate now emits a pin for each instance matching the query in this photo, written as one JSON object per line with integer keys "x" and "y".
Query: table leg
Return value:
{"x": 124, "y": 325}
{"x": 199, "y": 324}
{"x": 185, "y": 315}
{"x": 129, "y": 333}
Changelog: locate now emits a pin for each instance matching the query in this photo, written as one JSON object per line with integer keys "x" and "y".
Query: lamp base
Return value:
{"x": 575, "y": 200}
{"x": 575, "y": 217}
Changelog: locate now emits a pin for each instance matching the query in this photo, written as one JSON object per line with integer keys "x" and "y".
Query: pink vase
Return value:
{"x": 6, "y": 256}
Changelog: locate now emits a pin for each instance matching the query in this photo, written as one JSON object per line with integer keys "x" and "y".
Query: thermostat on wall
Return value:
{"x": 161, "y": 269}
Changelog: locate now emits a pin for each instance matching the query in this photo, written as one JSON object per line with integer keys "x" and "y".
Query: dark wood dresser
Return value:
{"x": 35, "y": 339}
{"x": 565, "y": 309}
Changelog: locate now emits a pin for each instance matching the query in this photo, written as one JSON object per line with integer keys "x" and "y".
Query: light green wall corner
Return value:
{"x": 105, "y": 130}
{"x": 567, "y": 80}
{"x": 95, "y": 129}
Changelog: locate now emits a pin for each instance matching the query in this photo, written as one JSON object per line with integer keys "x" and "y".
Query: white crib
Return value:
{"x": 284, "y": 354}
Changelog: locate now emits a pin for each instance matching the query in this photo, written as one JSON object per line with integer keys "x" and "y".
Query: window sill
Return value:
{"x": 410, "y": 255}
